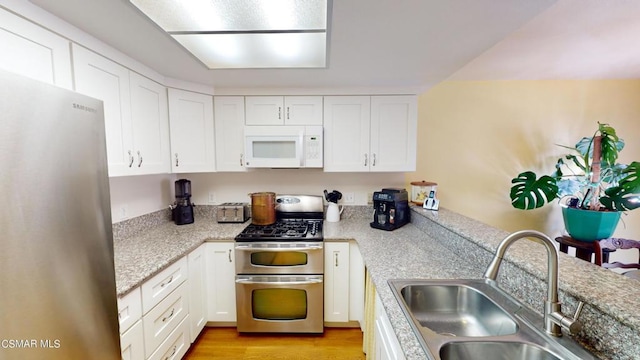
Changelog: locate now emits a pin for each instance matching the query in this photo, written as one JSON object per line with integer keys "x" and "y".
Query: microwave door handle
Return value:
{"x": 301, "y": 148}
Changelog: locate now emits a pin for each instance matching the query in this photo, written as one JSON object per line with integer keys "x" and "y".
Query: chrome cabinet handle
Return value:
{"x": 241, "y": 159}
{"x": 230, "y": 251}
{"x": 175, "y": 348}
{"x": 288, "y": 113}
{"x": 366, "y": 158}
{"x": 168, "y": 282}
{"x": 164, "y": 319}
{"x": 139, "y": 159}
{"x": 279, "y": 112}
{"x": 335, "y": 254}
{"x": 177, "y": 160}
{"x": 374, "y": 160}
{"x": 130, "y": 158}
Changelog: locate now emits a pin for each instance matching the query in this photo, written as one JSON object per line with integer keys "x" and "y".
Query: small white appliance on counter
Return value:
{"x": 283, "y": 146}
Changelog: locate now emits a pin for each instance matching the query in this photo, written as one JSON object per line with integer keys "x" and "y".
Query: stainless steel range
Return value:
{"x": 279, "y": 270}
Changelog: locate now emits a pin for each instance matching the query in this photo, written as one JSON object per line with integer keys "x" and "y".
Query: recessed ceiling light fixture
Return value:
{"x": 227, "y": 34}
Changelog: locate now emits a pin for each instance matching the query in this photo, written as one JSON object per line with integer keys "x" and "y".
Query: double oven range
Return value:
{"x": 279, "y": 270}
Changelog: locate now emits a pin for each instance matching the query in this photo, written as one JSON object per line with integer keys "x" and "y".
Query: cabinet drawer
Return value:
{"x": 129, "y": 309}
{"x": 164, "y": 318}
{"x": 176, "y": 344}
{"x": 156, "y": 288}
{"x": 132, "y": 343}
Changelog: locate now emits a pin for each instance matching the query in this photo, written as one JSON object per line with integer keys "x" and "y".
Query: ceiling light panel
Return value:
{"x": 245, "y": 33}
{"x": 235, "y": 15}
{"x": 282, "y": 50}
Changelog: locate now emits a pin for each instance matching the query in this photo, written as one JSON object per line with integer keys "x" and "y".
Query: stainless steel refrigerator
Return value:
{"x": 57, "y": 280}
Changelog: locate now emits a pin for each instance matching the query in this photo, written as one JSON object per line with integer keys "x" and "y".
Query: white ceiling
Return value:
{"x": 405, "y": 43}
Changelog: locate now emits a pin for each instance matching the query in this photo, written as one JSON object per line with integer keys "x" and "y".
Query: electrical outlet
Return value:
{"x": 212, "y": 197}
{"x": 124, "y": 211}
{"x": 349, "y": 198}
{"x": 370, "y": 198}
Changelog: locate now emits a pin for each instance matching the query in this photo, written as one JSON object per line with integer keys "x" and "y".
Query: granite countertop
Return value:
{"x": 436, "y": 245}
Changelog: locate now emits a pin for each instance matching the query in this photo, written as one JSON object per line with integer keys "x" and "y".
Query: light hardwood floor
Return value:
{"x": 226, "y": 343}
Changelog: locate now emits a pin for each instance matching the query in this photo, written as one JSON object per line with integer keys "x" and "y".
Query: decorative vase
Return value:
{"x": 590, "y": 225}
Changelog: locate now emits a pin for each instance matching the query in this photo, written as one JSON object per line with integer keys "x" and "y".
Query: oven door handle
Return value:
{"x": 303, "y": 248}
{"x": 306, "y": 282}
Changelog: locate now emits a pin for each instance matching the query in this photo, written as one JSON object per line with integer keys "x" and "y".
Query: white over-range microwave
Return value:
{"x": 283, "y": 146}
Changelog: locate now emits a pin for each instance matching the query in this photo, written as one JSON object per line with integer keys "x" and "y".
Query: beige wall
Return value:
{"x": 474, "y": 137}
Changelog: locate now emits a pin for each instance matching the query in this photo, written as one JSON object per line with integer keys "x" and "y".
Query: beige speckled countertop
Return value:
{"x": 436, "y": 245}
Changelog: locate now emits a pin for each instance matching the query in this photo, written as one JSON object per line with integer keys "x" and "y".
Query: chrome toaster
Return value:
{"x": 232, "y": 213}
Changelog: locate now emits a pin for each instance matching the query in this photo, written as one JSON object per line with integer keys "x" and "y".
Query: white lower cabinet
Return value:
{"x": 336, "y": 281}
{"x": 175, "y": 345}
{"x": 197, "y": 291}
{"x": 165, "y": 317}
{"x": 343, "y": 283}
{"x": 132, "y": 342}
{"x": 387, "y": 346}
{"x": 221, "y": 286}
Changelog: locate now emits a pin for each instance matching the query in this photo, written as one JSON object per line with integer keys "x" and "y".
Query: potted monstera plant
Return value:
{"x": 593, "y": 188}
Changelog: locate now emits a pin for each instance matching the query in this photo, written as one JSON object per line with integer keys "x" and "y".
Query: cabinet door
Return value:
{"x": 264, "y": 110}
{"x": 394, "y": 122}
{"x": 303, "y": 110}
{"x": 229, "y": 129}
{"x": 356, "y": 284}
{"x": 336, "y": 282}
{"x": 150, "y": 119}
{"x": 197, "y": 291}
{"x": 346, "y": 133}
{"x": 31, "y": 51}
{"x": 191, "y": 131}
{"x": 386, "y": 343}
{"x": 105, "y": 80}
{"x": 132, "y": 343}
{"x": 221, "y": 285}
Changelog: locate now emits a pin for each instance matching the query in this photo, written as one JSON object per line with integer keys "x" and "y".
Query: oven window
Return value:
{"x": 279, "y": 304}
{"x": 284, "y": 258}
{"x": 274, "y": 149}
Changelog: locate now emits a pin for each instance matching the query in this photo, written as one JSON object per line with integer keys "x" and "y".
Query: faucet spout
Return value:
{"x": 554, "y": 320}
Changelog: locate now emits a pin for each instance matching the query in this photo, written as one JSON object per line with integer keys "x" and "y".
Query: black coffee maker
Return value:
{"x": 391, "y": 209}
{"x": 182, "y": 209}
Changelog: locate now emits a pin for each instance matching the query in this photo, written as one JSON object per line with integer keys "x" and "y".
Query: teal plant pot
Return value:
{"x": 589, "y": 225}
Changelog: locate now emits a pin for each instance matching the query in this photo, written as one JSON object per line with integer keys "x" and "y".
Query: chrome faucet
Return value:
{"x": 554, "y": 319}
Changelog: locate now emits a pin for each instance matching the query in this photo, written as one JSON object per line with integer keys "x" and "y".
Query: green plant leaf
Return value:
{"x": 625, "y": 196}
{"x": 530, "y": 193}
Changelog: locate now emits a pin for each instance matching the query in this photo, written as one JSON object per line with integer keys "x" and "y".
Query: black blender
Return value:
{"x": 182, "y": 209}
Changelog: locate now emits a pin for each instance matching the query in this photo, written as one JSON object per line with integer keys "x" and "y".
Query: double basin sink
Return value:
{"x": 475, "y": 319}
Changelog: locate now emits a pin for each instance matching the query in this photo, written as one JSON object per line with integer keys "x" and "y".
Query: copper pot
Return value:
{"x": 263, "y": 208}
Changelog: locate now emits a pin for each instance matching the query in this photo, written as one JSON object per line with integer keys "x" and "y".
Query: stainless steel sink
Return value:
{"x": 457, "y": 310}
{"x": 495, "y": 351}
{"x": 475, "y": 319}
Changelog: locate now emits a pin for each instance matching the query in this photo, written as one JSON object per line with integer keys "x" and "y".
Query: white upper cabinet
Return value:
{"x": 394, "y": 125}
{"x": 150, "y": 121}
{"x": 229, "y": 130}
{"x": 370, "y": 133}
{"x": 30, "y": 50}
{"x": 287, "y": 110}
{"x": 303, "y": 110}
{"x": 105, "y": 80}
{"x": 135, "y": 111}
{"x": 346, "y": 133}
{"x": 192, "y": 131}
